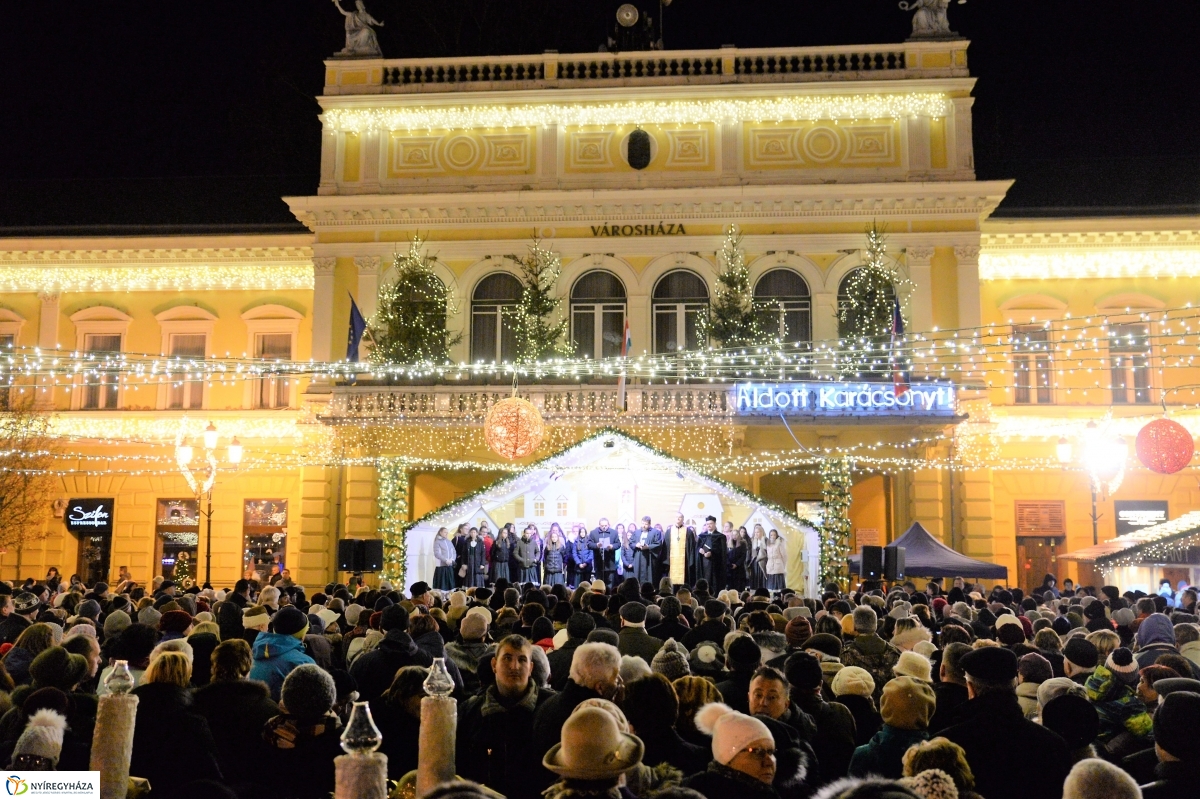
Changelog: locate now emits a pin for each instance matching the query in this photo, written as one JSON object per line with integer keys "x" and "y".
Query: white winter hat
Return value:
{"x": 43, "y": 736}
{"x": 731, "y": 731}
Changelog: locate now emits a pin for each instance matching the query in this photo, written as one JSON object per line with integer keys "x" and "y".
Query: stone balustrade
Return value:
{"x": 929, "y": 59}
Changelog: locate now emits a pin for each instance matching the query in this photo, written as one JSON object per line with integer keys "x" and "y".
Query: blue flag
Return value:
{"x": 357, "y": 326}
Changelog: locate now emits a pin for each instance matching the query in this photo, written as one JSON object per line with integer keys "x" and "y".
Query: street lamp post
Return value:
{"x": 203, "y": 489}
{"x": 1104, "y": 459}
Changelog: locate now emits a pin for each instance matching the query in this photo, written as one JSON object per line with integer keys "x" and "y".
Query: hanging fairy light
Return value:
{"x": 513, "y": 428}
{"x": 1165, "y": 446}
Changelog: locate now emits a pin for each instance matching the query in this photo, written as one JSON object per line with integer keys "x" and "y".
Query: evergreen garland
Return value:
{"x": 835, "y": 519}
{"x": 538, "y": 337}
{"x": 393, "y": 519}
{"x": 734, "y": 321}
{"x": 867, "y": 306}
{"x": 410, "y": 323}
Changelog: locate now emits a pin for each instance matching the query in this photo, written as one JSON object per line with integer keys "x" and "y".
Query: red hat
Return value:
{"x": 174, "y": 621}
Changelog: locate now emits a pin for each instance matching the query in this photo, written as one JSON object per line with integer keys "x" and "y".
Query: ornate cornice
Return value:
{"x": 324, "y": 265}
{"x": 367, "y": 264}
{"x": 967, "y": 253}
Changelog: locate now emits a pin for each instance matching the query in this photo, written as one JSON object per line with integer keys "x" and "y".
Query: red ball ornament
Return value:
{"x": 1165, "y": 446}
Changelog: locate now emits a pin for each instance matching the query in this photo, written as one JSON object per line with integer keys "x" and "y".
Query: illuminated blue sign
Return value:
{"x": 843, "y": 399}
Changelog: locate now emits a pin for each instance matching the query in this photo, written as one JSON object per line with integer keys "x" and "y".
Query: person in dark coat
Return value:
{"x": 1175, "y": 742}
{"x": 854, "y": 688}
{"x": 554, "y": 557}
{"x": 603, "y": 543}
{"x": 714, "y": 627}
{"x": 652, "y": 709}
{"x": 229, "y": 615}
{"x": 578, "y": 628}
{"x": 951, "y": 690}
{"x": 166, "y": 727}
{"x": 305, "y": 738}
{"x": 26, "y": 607}
{"x": 502, "y": 553}
{"x": 670, "y": 626}
{"x": 742, "y": 659}
{"x": 398, "y": 715}
{"x": 203, "y": 645}
{"x": 496, "y": 728}
{"x": 834, "y": 742}
{"x": 993, "y": 716}
{"x": 374, "y": 671}
{"x": 473, "y": 555}
{"x": 712, "y": 555}
{"x": 647, "y": 553}
{"x": 236, "y": 709}
{"x": 635, "y": 641}
{"x": 735, "y": 570}
{"x": 595, "y": 672}
{"x": 580, "y": 558}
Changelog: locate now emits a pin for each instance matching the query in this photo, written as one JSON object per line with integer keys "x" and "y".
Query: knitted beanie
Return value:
{"x": 115, "y": 623}
{"x": 797, "y": 631}
{"x": 731, "y": 731}
{"x": 43, "y": 736}
{"x": 1034, "y": 668}
{"x": 308, "y": 692}
{"x": 931, "y": 783}
{"x": 671, "y": 661}
{"x": 149, "y": 617}
{"x": 1123, "y": 666}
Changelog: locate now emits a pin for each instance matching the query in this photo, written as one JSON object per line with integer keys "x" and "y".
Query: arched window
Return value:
{"x": 597, "y": 315}
{"x": 680, "y": 303}
{"x": 783, "y": 298}
{"x": 850, "y": 327}
{"x": 491, "y": 328}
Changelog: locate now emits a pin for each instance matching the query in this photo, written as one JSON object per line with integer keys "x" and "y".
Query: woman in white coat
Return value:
{"x": 776, "y": 561}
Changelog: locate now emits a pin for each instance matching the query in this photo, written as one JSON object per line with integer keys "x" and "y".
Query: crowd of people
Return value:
{"x": 638, "y": 691}
{"x": 472, "y": 556}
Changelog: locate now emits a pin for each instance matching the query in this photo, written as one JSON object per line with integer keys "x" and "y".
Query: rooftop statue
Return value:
{"x": 930, "y": 21}
{"x": 361, "y": 41}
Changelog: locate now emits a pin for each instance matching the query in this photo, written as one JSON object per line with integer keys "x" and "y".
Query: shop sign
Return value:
{"x": 1137, "y": 514}
{"x": 90, "y": 516}
{"x": 843, "y": 399}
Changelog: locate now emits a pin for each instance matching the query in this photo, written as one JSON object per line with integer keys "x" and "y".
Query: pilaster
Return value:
{"x": 976, "y": 515}
{"x": 368, "y": 286}
{"x": 322, "y": 323}
{"x": 969, "y": 311}
{"x": 47, "y": 340}
{"x": 314, "y": 562}
{"x": 920, "y": 271}
{"x": 360, "y": 505}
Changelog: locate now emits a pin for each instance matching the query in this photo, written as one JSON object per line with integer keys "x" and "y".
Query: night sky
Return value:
{"x": 180, "y": 115}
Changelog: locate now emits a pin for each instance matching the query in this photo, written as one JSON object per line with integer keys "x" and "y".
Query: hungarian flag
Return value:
{"x": 626, "y": 346}
{"x": 899, "y": 376}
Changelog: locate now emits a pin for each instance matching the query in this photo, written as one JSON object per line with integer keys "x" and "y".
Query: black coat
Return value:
{"x": 670, "y": 629}
{"x": 306, "y": 771}
{"x": 950, "y": 698}
{"x": 735, "y": 690}
{"x": 636, "y": 642}
{"x": 375, "y": 670}
{"x": 496, "y": 745}
{"x": 560, "y": 662}
{"x": 401, "y": 735}
{"x": 12, "y": 627}
{"x": 202, "y": 645}
{"x": 867, "y": 720}
{"x": 834, "y": 742}
{"x": 721, "y": 782}
{"x": 1175, "y": 779}
{"x": 713, "y": 630}
{"x": 603, "y": 560}
{"x": 235, "y": 713}
{"x": 668, "y": 746}
{"x": 229, "y": 616}
{"x": 991, "y": 725}
{"x": 168, "y": 728}
{"x": 712, "y": 568}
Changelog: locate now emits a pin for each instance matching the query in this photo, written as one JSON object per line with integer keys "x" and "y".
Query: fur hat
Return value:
{"x": 731, "y": 731}
{"x": 913, "y": 665}
{"x": 256, "y": 618}
{"x": 592, "y": 747}
{"x": 308, "y": 691}
{"x": 42, "y": 738}
{"x": 854, "y": 681}
{"x": 473, "y": 626}
{"x": 55, "y": 667}
{"x": 926, "y": 648}
{"x": 671, "y": 661}
{"x": 907, "y": 703}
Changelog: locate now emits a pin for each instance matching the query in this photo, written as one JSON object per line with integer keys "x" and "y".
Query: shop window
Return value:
{"x": 187, "y": 347}
{"x": 1129, "y": 363}
{"x": 680, "y": 307}
{"x": 273, "y": 392}
{"x": 177, "y": 524}
{"x": 785, "y": 306}
{"x": 492, "y": 337}
{"x": 264, "y": 535}
{"x": 597, "y": 315}
{"x": 1033, "y": 365}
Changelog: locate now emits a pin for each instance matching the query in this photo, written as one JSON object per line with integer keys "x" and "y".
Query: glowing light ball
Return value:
{"x": 513, "y": 428}
{"x": 1165, "y": 446}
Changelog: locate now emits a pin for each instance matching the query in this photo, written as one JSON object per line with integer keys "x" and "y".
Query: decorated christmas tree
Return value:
{"x": 535, "y": 330}
{"x": 867, "y": 309}
{"x": 410, "y": 323}
{"x": 734, "y": 321}
{"x": 836, "y": 481}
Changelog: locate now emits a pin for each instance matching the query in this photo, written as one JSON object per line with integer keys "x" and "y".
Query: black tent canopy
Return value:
{"x": 925, "y": 556}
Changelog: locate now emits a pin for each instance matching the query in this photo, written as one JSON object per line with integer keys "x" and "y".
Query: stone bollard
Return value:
{"x": 439, "y": 724}
{"x": 112, "y": 741}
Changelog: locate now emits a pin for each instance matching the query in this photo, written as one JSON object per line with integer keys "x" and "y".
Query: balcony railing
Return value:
{"x": 557, "y": 403}
{"x": 649, "y": 68}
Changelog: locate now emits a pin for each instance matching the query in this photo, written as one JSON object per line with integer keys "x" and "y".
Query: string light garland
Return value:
{"x": 513, "y": 428}
{"x": 1089, "y": 265}
{"x": 836, "y": 479}
{"x": 733, "y": 320}
{"x": 193, "y": 277}
{"x": 1165, "y": 446}
{"x": 898, "y": 105}
{"x": 1169, "y": 542}
{"x": 392, "y": 476}
{"x": 410, "y": 323}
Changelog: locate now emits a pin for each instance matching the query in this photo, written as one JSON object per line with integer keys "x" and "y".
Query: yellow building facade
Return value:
{"x": 631, "y": 167}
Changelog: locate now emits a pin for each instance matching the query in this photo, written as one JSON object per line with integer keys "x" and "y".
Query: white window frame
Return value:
{"x": 596, "y": 309}
{"x": 185, "y": 320}
{"x": 99, "y": 320}
{"x": 1131, "y": 390}
{"x": 1031, "y": 358}
{"x": 271, "y": 319}
{"x": 11, "y": 323}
